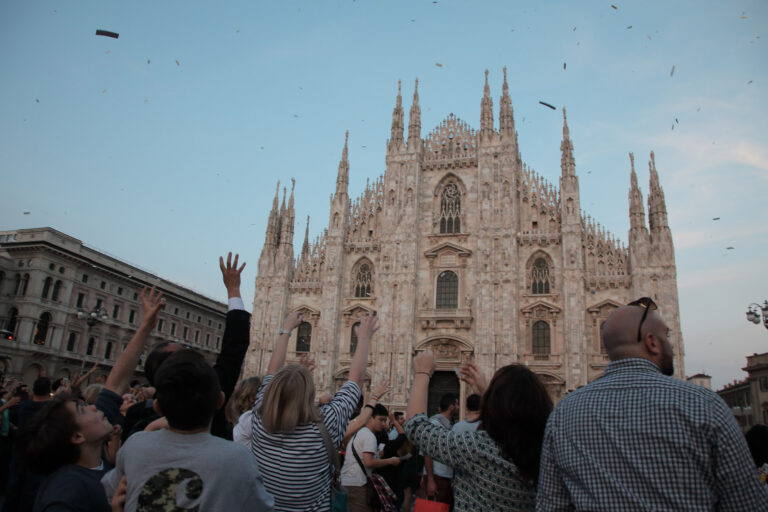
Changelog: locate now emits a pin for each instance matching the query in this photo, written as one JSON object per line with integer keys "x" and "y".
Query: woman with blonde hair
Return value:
{"x": 286, "y": 438}
{"x": 239, "y": 407}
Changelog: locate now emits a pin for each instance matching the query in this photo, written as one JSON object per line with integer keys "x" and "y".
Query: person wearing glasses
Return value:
{"x": 638, "y": 439}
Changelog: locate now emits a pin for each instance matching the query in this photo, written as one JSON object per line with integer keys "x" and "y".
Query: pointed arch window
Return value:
{"x": 363, "y": 280}
{"x": 450, "y": 209}
{"x": 540, "y": 277}
{"x": 41, "y": 332}
{"x": 447, "y": 296}
{"x": 46, "y": 287}
{"x": 353, "y": 339}
{"x": 540, "y": 339}
{"x": 303, "y": 337}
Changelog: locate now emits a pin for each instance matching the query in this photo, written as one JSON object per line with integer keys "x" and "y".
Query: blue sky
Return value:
{"x": 168, "y": 165}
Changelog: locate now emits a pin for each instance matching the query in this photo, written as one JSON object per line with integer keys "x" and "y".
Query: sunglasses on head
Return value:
{"x": 648, "y": 305}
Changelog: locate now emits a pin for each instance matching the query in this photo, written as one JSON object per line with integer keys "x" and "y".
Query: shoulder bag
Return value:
{"x": 338, "y": 493}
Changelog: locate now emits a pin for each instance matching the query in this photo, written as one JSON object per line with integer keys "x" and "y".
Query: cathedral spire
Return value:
{"x": 567, "y": 162}
{"x": 657, "y": 206}
{"x": 636, "y": 209}
{"x": 396, "y": 138}
{"x": 305, "y": 245}
{"x": 414, "y": 119}
{"x": 486, "y": 110}
{"x": 342, "y": 178}
{"x": 273, "y": 230}
{"x": 506, "y": 113}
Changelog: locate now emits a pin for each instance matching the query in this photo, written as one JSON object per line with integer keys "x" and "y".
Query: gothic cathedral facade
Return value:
{"x": 463, "y": 249}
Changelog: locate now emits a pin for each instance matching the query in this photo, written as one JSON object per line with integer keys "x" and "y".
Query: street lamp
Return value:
{"x": 755, "y": 310}
{"x": 97, "y": 315}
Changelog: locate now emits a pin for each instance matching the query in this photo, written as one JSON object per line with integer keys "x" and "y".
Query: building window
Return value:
{"x": 24, "y": 284}
{"x": 197, "y": 336}
{"x": 450, "y": 209}
{"x": 175, "y": 311}
{"x": 41, "y": 332}
{"x": 207, "y": 340}
{"x": 119, "y": 290}
{"x": 353, "y": 339}
{"x": 46, "y": 287}
{"x": 540, "y": 277}
{"x": 199, "y": 319}
{"x": 99, "y": 302}
{"x": 303, "y": 337}
{"x": 91, "y": 345}
{"x": 218, "y": 342}
{"x": 173, "y": 329}
{"x": 85, "y": 278}
{"x": 187, "y": 315}
{"x": 80, "y": 299}
{"x": 160, "y": 325}
{"x": 108, "y": 351}
{"x": 447, "y": 290}
{"x": 363, "y": 281}
{"x": 56, "y": 291}
{"x": 763, "y": 383}
{"x": 210, "y": 322}
{"x": 115, "y": 311}
{"x": 219, "y": 325}
{"x": 10, "y": 324}
{"x": 135, "y": 296}
{"x": 103, "y": 285}
{"x": 184, "y": 336}
{"x": 18, "y": 285}
{"x": 600, "y": 334}
{"x": 540, "y": 339}
{"x": 71, "y": 342}
{"x": 132, "y": 316}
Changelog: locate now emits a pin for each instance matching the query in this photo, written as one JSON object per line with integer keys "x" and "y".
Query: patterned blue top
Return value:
{"x": 638, "y": 440}
{"x": 483, "y": 479}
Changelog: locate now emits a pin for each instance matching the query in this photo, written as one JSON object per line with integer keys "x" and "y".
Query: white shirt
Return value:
{"x": 364, "y": 441}
{"x": 241, "y": 433}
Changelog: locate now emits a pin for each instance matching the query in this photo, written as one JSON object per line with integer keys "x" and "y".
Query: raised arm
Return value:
{"x": 277, "y": 360}
{"x": 423, "y": 367}
{"x": 365, "y": 414}
{"x": 84, "y": 377}
{"x": 119, "y": 378}
{"x": 472, "y": 376}
{"x": 368, "y": 326}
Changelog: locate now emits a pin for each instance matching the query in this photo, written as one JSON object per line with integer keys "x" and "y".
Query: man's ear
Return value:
{"x": 156, "y": 407}
{"x": 221, "y": 400}
{"x": 77, "y": 438}
{"x": 652, "y": 344}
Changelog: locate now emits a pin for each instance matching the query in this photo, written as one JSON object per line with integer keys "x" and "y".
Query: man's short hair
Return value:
{"x": 135, "y": 382}
{"x": 46, "y": 439}
{"x": 399, "y": 414}
{"x": 155, "y": 358}
{"x": 447, "y": 400}
{"x": 41, "y": 386}
{"x": 188, "y": 390}
{"x": 473, "y": 402}
{"x": 379, "y": 410}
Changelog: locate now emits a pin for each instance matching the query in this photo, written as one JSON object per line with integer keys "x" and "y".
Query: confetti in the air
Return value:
{"x": 37, "y": 100}
{"x": 107, "y": 33}
{"x": 27, "y": 213}
{"x": 177, "y": 63}
{"x": 147, "y": 61}
{"x": 614, "y": 8}
{"x": 715, "y": 218}
{"x": 547, "y": 105}
{"x": 438, "y": 64}
{"x": 672, "y": 71}
{"x": 564, "y": 65}
{"x": 729, "y": 248}
{"x": 749, "y": 82}
{"x": 629, "y": 27}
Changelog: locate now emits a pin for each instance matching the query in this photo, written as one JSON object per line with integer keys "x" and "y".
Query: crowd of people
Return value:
{"x": 195, "y": 437}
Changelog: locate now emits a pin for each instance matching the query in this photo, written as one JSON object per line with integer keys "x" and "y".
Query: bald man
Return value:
{"x": 638, "y": 439}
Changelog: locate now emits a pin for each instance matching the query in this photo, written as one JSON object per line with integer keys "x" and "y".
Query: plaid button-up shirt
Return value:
{"x": 638, "y": 440}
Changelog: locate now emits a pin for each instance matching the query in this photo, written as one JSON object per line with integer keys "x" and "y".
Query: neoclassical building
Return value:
{"x": 462, "y": 248}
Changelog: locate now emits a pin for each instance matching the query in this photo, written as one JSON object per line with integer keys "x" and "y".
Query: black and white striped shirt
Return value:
{"x": 295, "y": 466}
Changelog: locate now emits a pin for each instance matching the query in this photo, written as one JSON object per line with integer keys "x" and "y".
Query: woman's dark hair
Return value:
{"x": 46, "y": 440}
{"x": 514, "y": 412}
{"x": 757, "y": 441}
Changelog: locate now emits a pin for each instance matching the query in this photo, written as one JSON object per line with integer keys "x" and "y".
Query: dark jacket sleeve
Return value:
{"x": 234, "y": 345}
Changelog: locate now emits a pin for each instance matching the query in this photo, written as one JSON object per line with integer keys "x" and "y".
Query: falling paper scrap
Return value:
{"x": 729, "y": 248}
{"x": 672, "y": 72}
{"x": 715, "y": 218}
{"x": 614, "y": 7}
{"x": 629, "y": 27}
{"x": 177, "y": 63}
{"x": 749, "y": 82}
{"x": 107, "y": 33}
{"x": 547, "y": 105}
{"x": 27, "y": 213}
{"x": 564, "y": 65}
{"x": 37, "y": 100}
{"x": 147, "y": 61}
{"x": 676, "y": 121}
{"x": 438, "y": 64}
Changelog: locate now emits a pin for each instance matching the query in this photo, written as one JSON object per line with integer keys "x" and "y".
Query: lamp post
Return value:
{"x": 755, "y": 310}
{"x": 97, "y": 315}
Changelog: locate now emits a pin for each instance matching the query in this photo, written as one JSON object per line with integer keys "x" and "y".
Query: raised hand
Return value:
{"x": 472, "y": 376}
{"x": 424, "y": 363}
{"x": 368, "y": 326}
{"x": 292, "y": 321}
{"x": 380, "y": 389}
{"x": 231, "y": 274}
{"x": 152, "y": 302}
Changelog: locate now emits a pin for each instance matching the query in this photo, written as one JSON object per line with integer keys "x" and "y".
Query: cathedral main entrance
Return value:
{"x": 442, "y": 382}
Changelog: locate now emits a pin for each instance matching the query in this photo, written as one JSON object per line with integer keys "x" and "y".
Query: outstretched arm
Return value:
{"x": 119, "y": 378}
{"x": 277, "y": 360}
{"x": 368, "y": 326}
